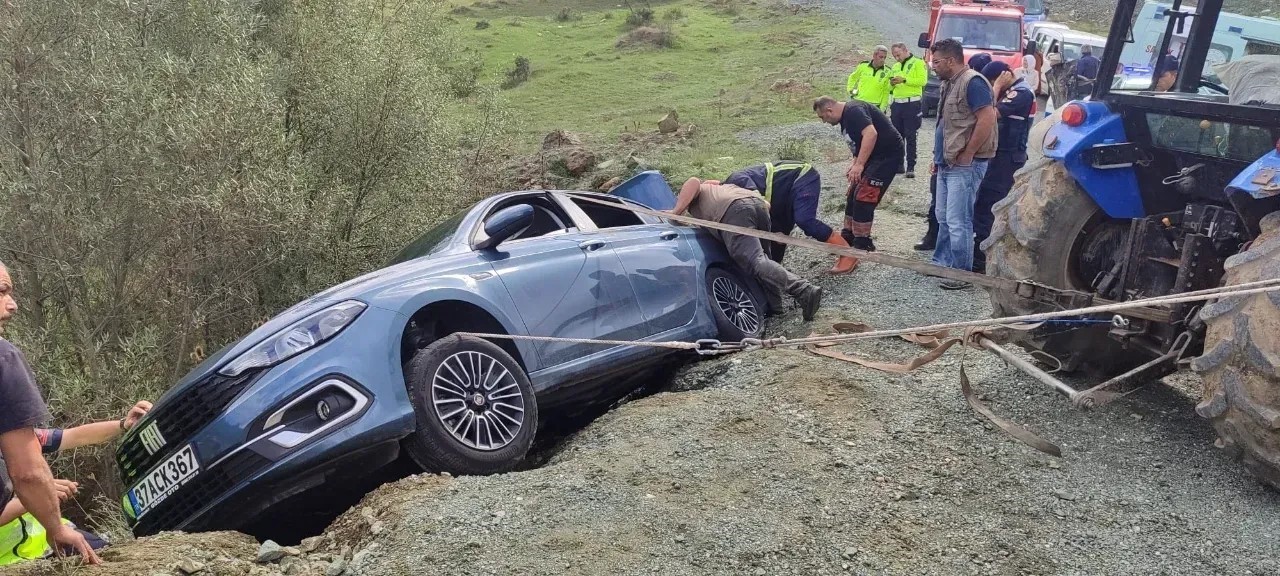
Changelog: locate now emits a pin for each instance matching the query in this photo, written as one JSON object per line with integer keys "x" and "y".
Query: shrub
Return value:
{"x": 647, "y": 37}
{"x": 518, "y": 74}
{"x": 640, "y": 17}
{"x": 482, "y": 24}
{"x": 795, "y": 150}
{"x": 565, "y": 15}
{"x": 673, "y": 14}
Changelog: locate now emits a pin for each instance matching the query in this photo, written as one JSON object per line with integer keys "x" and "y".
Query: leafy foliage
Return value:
{"x": 175, "y": 172}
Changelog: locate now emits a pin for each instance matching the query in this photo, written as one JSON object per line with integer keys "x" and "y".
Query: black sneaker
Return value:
{"x": 911, "y": 174}
{"x": 863, "y": 243}
{"x": 809, "y": 299}
{"x": 955, "y": 285}
{"x": 927, "y": 244}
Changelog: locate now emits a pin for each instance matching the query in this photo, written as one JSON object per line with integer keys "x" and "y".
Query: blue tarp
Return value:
{"x": 649, "y": 188}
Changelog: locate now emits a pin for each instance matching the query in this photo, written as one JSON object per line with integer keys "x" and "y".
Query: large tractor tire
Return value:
{"x": 1049, "y": 231}
{"x": 1241, "y": 363}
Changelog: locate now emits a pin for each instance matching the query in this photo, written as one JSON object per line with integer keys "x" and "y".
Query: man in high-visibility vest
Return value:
{"x": 791, "y": 189}
{"x": 907, "y": 79}
{"x": 869, "y": 82}
{"x": 22, "y": 537}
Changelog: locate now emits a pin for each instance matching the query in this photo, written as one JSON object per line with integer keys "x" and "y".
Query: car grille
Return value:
{"x": 206, "y": 487}
{"x": 178, "y": 419}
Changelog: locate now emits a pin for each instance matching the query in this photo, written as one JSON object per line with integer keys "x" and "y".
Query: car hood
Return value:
{"x": 363, "y": 288}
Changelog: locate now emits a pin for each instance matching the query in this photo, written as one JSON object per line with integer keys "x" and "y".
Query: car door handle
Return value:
{"x": 592, "y": 245}
{"x": 669, "y": 235}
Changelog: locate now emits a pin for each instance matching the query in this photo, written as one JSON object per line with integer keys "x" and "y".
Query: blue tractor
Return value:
{"x": 1164, "y": 189}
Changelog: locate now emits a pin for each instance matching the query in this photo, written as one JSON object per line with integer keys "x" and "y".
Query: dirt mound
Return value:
{"x": 647, "y": 37}
{"x": 558, "y": 138}
{"x": 215, "y": 553}
{"x": 792, "y": 86}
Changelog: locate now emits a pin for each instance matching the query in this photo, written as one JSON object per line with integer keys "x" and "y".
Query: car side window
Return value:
{"x": 548, "y": 218}
{"x": 608, "y": 216}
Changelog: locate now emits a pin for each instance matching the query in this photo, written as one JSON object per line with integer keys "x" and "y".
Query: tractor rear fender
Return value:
{"x": 1115, "y": 190}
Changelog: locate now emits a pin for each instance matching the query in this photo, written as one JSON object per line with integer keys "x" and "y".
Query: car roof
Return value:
{"x": 1083, "y": 37}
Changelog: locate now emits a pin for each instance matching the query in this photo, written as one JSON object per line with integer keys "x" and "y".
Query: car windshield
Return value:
{"x": 1033, "y": 7}
{"x": 981, "y": 32}
{"x": 431, "y": 242}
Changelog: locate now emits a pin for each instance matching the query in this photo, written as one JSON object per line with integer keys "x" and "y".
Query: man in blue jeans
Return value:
{"x": 965, "y": 140}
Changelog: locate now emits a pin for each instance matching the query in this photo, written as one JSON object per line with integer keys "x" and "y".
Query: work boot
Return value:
{"x": 929, "y": 241}
{"x": 863, "y": 243}
{"x": 809, "y": 298}
{"x": 845, "y": 264}
{"x": 911, "y": 173}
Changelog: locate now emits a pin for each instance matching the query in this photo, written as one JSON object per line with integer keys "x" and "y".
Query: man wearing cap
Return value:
{"x": 1166, "y": 73}
{"x": 1087, "y": 68}
{"x": 1015, "y": 104}
{"x": 869, "y": 82}
{"x": 791, "y": 189}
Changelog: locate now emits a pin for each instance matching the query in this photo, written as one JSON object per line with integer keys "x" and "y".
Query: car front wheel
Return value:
{"x": 475, "y": 407}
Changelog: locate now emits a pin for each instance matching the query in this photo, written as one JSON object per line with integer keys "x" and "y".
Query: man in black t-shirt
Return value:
{"x": 877, "y": 152}
{"x": 23, "y": 470}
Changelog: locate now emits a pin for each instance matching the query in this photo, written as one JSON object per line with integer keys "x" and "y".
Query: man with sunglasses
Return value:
{"x": 965, "y": 140}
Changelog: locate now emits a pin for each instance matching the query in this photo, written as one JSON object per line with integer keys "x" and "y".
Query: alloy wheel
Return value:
{"x": 478, "y": 401}
{"x": 736, "y": 305}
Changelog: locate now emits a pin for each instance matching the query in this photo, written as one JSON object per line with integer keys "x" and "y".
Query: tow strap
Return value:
{"x": 938, "y": 343}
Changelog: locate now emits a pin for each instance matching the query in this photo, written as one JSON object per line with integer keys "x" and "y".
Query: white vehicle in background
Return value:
{"x": 1034, "y": 28}
{"x": 1234, "y": 36}
{"x": 1070, "y": 43}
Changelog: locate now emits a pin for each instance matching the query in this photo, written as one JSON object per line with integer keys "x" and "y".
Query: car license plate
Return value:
{"x": 163, "y": 481}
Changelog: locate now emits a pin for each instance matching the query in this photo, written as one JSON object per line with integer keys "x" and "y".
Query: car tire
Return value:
{"x": 737, "y": 309}
{"x": 476, "y": 410}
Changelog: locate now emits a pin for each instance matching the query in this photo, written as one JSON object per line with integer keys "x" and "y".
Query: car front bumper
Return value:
{"x": 249, "y": 458}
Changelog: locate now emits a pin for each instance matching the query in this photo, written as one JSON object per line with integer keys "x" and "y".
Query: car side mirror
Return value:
{"x": 506, "y": 223}
{"x": 924, "y": 41}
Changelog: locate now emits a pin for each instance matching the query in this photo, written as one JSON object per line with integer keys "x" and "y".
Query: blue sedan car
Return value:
{"x": 340, "y": 383}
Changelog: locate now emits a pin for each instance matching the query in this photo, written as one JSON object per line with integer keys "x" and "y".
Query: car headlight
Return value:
{"x": 303, "y": 335}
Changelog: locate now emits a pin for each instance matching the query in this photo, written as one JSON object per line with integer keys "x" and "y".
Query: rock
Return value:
{"x": 850, "y": 552}
{"x": 292, "y": 566}
{"x": 1064, "y": 495}
{"x": 336, "y": 568}
{"x": 269, "y": 552}
{"x": 558, "y": 138}
{"x": 309, "y": 545}
{"x": 362, "y": 556}
{"x": 610, "y": 184}
{"x": 669, "y": 123}
{"x": 1054, "y": 464}
{"x": 1136, "y": 416}
{"x": 189, "y": 566}
{"x": 292, "y": 551}
{"x": 579, "y": 161}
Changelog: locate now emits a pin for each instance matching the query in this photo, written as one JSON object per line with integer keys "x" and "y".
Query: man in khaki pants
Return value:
{"x": 729, "y": 204}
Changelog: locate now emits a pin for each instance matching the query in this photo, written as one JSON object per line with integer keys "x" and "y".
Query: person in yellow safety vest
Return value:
{"x": 869, "y": 82}
{"x": 21, "y": 536}
{"x": 791, "y": 189}
{"x": 907, "y": 79}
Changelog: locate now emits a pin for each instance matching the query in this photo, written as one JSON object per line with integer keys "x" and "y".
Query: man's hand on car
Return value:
{"x": 67, "y": 540}
{"x": 135, "y": 413}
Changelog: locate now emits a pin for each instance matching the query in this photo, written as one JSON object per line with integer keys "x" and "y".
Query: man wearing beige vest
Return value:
{"x": 964, "y": 141}
{"x": 729, "y": 204}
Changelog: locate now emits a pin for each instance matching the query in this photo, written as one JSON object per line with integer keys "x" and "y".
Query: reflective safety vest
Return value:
{"x": 23, "y": 539}
{"x": 770, "y": 169}
{"x": 916, "y": 73}
{"x": 870, "y": 85}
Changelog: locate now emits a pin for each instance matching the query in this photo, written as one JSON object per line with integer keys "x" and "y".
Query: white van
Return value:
{"x": 1066, "y": 41}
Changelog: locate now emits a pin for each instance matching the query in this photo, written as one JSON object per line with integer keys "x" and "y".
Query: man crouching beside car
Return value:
{"x": 728, "y": 204}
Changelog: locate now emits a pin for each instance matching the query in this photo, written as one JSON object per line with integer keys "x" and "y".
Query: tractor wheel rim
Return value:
{"x": 736, "y": 305}
{"x": 478, "y": 400}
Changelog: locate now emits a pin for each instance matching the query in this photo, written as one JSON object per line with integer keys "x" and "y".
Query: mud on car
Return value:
{"x": 341, "y": 383}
